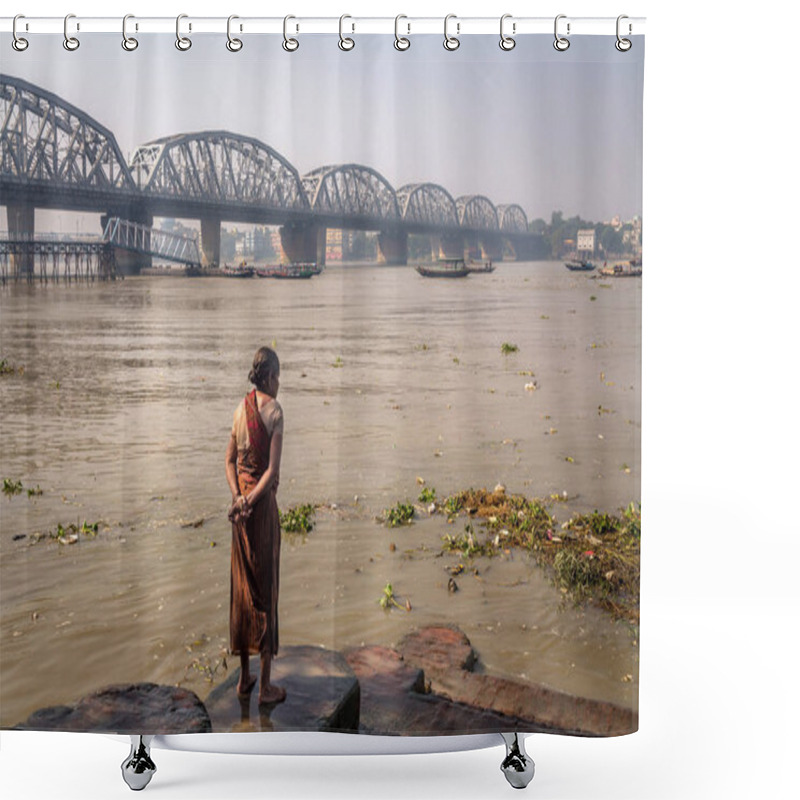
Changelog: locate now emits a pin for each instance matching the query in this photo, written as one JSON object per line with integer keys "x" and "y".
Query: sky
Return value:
{"x": 546, "y": 130}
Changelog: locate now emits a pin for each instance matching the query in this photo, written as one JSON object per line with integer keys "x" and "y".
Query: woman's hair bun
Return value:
{"x": 265, "y": 364}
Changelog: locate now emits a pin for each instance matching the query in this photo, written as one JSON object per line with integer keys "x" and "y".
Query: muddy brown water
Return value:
{"x": 122, "y": 414}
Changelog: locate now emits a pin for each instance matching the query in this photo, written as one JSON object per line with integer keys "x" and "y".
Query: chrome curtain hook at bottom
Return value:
{"x": 71, "y": 43}
{"x": 401, "y": 42}
{"x": 128, "y": 42}
{"x": 183, "y": 43}
{"x": 19, "y": 43}
{"x": 289, "y": 44}
{"x": 561, "y": 43}
{"x": 623, "y": 45}
{"x": 233, "y": 44}
{"x": 451, "y": 42}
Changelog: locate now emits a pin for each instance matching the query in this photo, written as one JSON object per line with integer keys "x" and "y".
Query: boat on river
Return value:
{"x": 297, "y": 270}
{"x": 580, "y": 266}
{"x": 237, "y": 271}
{"x": 475, "y": 266}
{"x": 629, "y": 269}
{"x": 446, "y": 268}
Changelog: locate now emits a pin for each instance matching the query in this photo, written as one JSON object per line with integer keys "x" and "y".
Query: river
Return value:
{"x": 122, "y": 413}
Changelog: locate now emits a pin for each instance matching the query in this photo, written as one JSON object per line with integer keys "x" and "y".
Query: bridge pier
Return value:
{"x": 21, "y": 226}
{"x": 303, "y": 243}
{"x": 451, "y": 245}
{"x": 210, "y": 240}
{"x": 491, "y": 248}
{"x": 393, "y": 248}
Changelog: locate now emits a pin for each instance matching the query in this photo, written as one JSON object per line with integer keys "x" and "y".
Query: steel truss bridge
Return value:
{"x": 54, "y": 155}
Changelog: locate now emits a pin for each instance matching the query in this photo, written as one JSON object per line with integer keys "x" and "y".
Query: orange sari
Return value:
{"x": 255, "y": 550}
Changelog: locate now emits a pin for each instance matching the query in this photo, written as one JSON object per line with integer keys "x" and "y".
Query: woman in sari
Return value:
{"x": 252, "y": 466}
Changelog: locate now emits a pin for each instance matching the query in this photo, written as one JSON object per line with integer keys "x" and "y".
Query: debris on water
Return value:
{"x": 392, "y": 547}
{"x": 432, "y": 508}
{"x": 530, "y": 387}
{"x": 452, "y": 586}
{"x": 508, "y": 347}
{"x": 193, "y": 523}
{"x": 17, "y": 536}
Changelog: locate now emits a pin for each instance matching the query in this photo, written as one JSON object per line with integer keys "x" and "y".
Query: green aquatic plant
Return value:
{"x": 427, "y": 495}
{"x": 298, "y": 519}
{"x": 507, "y": 348}
{"x": 11, "y": 487}
{"x": 35, "y": 492}
{"x": 338, "y": 363}
{"x": 401, "y": 514}
{"x": 388, "y": 599}
{"x": 6, "y": 368}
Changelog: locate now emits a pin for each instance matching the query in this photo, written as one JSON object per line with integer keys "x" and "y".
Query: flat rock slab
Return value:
{"x": 394, "y": 700}
{"x": 139, "y": 708}
{"x": 322, "y": 694}
{"x": 447, "y": 658}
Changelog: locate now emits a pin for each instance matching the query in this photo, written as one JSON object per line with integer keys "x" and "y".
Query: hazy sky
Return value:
{"x": 547, "y": 130}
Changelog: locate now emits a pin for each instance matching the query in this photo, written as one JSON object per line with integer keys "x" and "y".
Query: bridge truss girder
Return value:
{"x": 45, "y": 140}
{"x": 218, "y": 167}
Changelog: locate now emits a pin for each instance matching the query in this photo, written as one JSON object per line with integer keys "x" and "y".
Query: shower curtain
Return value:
{"x": 322, "y": 363}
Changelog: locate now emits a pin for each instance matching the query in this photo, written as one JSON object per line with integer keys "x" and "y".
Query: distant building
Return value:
{"x": 586, "y": 241}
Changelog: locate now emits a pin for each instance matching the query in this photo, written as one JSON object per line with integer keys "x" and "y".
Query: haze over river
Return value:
{"x": 123, "y": 413}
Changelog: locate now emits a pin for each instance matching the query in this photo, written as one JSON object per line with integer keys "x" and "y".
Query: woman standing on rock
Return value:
{"x": 252, "y": 466}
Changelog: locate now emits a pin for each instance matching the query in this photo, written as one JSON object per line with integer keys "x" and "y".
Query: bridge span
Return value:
{"x": 54, "y": 155}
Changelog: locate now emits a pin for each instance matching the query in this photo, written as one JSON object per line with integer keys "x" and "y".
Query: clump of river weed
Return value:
{"x": 591, "y": 557}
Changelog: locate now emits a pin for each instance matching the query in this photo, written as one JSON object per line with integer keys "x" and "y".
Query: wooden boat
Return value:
{"x": 447, "y": 268}
{"x": 579, "y": 266}
{"x": 291, "y": 271}
{"x": 487, "y": 266}
{"x": 632, "y": 269}
{"x": 240, "y": 271}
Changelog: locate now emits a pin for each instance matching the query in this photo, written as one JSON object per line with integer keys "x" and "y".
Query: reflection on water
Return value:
{"x": 122, "y": 416}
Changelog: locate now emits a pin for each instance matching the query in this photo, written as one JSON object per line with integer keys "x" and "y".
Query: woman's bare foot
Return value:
{"x": 272, "y": 695}
{"x": 244, "y": 689}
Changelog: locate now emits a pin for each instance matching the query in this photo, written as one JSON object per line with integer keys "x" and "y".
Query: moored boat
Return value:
{"x": 486, "y": 266}
{"x": 579, "y": 266}
{"x": 631, "y": 269}
{"x": 446, "y": 268}
{"x": 295, "y": 270}
{"x": 238, "y": 271}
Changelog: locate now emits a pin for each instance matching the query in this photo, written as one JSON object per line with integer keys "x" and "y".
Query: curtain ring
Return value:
{"x": 401, "y": 42}
{"x": 289, "y": 45}
{"x": 451, "y": 42}
{"x": 19, "y": 44}
{"x": 183, "y": 43}
{"x": 623, "y": 45}
{"x": 128, "y": 42}
{"x": 71, "y": 43}
{"x": 234, "y": 45}
{"x": 561, "y": 43}
{"x": 507, "y": 42}
{"x": 345, "y": 42}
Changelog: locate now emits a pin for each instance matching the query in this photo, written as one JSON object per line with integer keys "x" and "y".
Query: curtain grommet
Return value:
{"x": 19, "y": 43}
{"x": 129, "y": 43}
{"x": 561, "y": 43}
{"x": 507, "y": 42}
{"x": 451, "y": 43}
{"x": 289, "y": 44}
{"x": 346, "y": 43}
{"x": 183, "y": 43}
{"x": 233, "y": 44}
{"x": 401, "y": 43}
{"x": 622, "y": 44}
{"x": 71, "y": 43}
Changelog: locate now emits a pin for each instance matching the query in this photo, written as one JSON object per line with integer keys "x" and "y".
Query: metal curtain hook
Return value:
{"x": 507, "y": 42}
{"x": 451, "y": 42}
{"x": 289, "y": 45}
{"x": 70, "y": 42}
{"x": 561, "y": 43}
{"x": 401, "y": 42}
{"x": 623, "y": 45}
{"x": 19, "y": 44}
{"x": 128, "y": 42}
{"x": 183, "y": 43}
{"x": 345, "y": 42}
{"x": 234, "y": 45}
